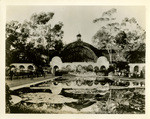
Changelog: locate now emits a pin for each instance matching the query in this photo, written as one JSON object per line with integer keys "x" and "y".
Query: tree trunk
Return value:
{"x": 110, "y": 55}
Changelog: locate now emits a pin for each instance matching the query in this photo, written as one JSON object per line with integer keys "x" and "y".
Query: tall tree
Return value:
{"x": 108, "y": 29}
{"x": 135, "y": 37}
{"x": 125, "y": 36}
{"x": 32, "y": 40}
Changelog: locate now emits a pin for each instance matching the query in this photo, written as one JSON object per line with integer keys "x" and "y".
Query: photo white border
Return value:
{"x": 4, "y": 3}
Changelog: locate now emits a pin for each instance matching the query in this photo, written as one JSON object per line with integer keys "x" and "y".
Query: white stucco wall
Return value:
{"x": 140, "y": 65}
{"x": 56, "y": 61}
{"x": 102, "y": 61}
{"x": 17, "y": 66}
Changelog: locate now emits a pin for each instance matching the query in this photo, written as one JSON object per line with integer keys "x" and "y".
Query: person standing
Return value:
{"x": 43, "y": 72}
{"x": 31, "y": 74}
{"x": 11, "y": 74}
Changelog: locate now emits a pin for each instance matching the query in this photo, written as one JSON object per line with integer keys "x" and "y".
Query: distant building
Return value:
{"x": 137, "y": 67}
{"x": 23, "y": 66}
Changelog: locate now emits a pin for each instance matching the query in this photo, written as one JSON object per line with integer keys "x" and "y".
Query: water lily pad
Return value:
{"x": 15, "y": 99}
{"x": 47, "y": 98}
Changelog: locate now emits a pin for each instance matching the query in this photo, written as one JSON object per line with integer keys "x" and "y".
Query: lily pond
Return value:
{"x": 80, "y": 96}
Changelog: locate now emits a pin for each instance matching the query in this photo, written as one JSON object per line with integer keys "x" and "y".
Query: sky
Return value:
{"x": 76, "y": 19}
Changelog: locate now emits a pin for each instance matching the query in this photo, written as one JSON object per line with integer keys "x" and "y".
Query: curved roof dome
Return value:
{"x": 79, "y": 51}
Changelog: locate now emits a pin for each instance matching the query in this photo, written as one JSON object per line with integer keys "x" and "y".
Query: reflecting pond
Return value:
{"x": 81, "y": 96}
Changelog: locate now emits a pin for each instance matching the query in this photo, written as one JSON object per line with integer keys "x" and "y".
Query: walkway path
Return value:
{"x": 18, "y": 83}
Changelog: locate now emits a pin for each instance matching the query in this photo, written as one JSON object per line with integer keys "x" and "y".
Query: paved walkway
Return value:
{"x": 19, "y": 82}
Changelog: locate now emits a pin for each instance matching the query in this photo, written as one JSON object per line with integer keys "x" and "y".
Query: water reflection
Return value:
{"x": 80, "y": 104}
{"x": 85, "y": 96}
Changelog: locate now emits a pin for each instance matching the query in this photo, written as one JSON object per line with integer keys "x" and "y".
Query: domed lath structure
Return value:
{"x": 79, "y": 51}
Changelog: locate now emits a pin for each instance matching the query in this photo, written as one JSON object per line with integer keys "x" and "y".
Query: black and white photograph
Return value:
{"x": 75, "y": 59}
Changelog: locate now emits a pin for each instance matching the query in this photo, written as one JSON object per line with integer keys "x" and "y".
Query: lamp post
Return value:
{"x": 79, "y": 37}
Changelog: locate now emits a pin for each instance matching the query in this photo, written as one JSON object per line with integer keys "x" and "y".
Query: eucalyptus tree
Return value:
{"x": 122, "y": 37}
{"x": 105, "y": 36}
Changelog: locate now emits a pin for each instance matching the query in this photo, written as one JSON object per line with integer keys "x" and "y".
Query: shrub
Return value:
{"x": 111, "y": 69}
{"x": 8, "y": 98}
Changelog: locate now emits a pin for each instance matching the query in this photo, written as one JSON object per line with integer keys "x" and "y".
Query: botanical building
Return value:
{"x": 79, "y": 54}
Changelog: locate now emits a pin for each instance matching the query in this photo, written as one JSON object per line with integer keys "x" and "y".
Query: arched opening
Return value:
{"x": 30, "y": 67}
{"x": 79, "y": 68}
{"x": 21, "y": 67}
{"x": 136, "y": 68}
{"x": 89, "y": 68}
{"x": 96, "y": 69}
{"x": 103, "y": 68}
{"x": 12, "y": 66}
{"x": 55, "y": 68}
{"x": 68, "y": 67}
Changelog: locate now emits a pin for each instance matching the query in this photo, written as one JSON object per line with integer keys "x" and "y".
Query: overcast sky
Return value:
{"x": 76, "y": 19}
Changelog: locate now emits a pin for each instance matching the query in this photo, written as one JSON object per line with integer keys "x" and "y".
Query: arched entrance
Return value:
{"x": 55, "y": 68}
{"x": 136, "y": 68}
{"x": 96, "y": 68}
{"x": 12, "y": 66}
{"x": 21, "y": 67}
{"x": 89, "y": 68}
{"x": 79, "y": 68}
{"x": 103, "y": 68}
{"x": 68, "y": 67}
{"x": 30, "y": 67}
